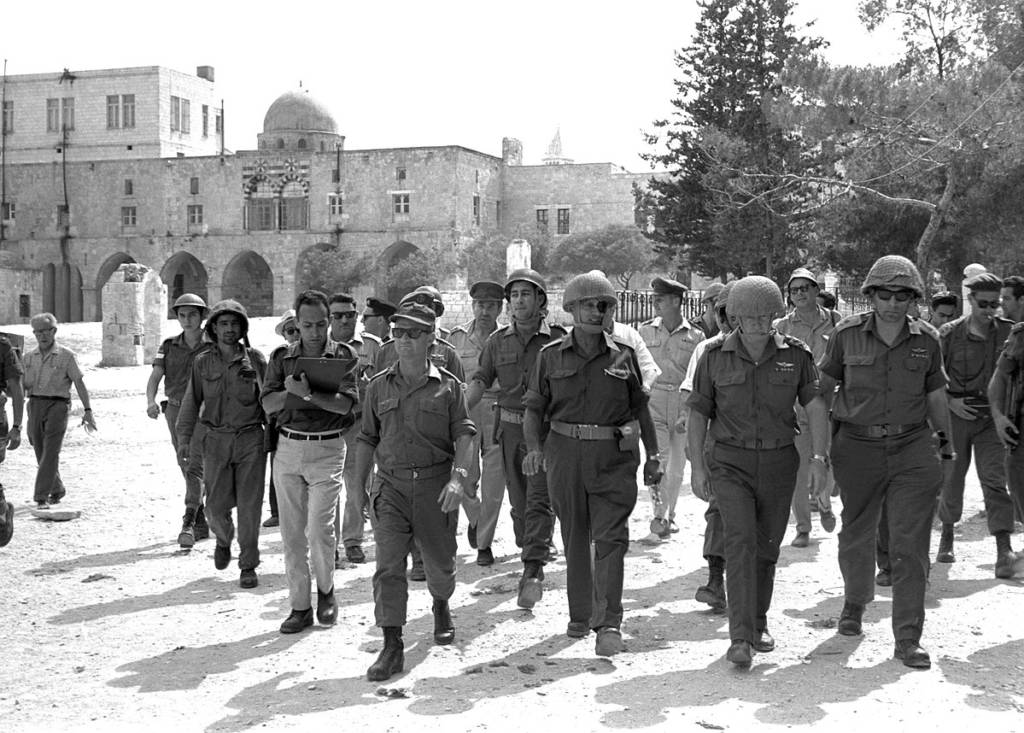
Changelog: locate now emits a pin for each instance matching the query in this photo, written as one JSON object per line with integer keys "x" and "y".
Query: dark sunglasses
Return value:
{"x": 902, "y": 296}
{"x": 800, "y": 288}
{"x": 290, "y": 331}
{"x": 413, "y": 333}
{"x": 343, "y": 315}
{"x": 987, "y": 304}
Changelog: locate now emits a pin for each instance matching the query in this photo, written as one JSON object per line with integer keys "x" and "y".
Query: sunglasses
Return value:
{"x": 290, "y": 331}
{"x": 601, "y": 306}
{"x": 414, "y": 333}
{"x": 986, "y": 304}
{"x": 902, "y": 296}
{"x": 800, "y": 288}
{"x": 343, "y": 315}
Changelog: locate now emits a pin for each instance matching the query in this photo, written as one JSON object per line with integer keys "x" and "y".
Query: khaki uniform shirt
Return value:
{"x": 175, "y": 356}
{"x": 227, "y": 391}
{"x": 509, "y": 360}
{"x": 671, "y": 350}
{"x": 970, "y": 360}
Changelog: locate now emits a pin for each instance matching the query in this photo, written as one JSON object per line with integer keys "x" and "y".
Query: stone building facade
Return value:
{"x": 238, "y": 224}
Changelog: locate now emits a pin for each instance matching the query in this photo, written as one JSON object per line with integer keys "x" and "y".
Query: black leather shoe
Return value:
{"x": 884, "y": 578}
{"x": 247, "y": 578}
{"x": 577, "y": 629}
{"x": 391, "y": 659}
{"x": 297, "y": 621}
{"x": 417, "y": 572}
{"x": 912, "y": 655}
{"x": 471, "y": 535}
{"x": 221, "y": 556}
{"x": 355, "y": 554}
{"x": 739, "y": 653}
{"x": 713, "y": 593}
{"x": 850, "y": 619}
{"x": 444, "y": 629}
{"x": 608, "y": 642}
{"x": 763, "y": 641}
{"x": 6, "y": 521}
{"x": 326, "y": 607}
{"x": 484, "y": 557}
{"x": 272, "y": 521}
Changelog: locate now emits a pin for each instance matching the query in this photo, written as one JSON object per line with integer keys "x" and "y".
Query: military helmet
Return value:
{"x": 893, "y": 271}
{"x": 193, "y": 300}
{"x": 525, "y": 274}
{"x": 755, "y": 295}
{"x": 591, "y": 284}
{"x": 722, "y": 300}
{"x": 227, "y": 306}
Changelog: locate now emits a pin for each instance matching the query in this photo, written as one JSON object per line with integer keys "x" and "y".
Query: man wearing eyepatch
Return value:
{"x": 416, "y": 426}
{"x": 588, "y": 387}
{"x": 970, "y": 349}
{"x": 891, "y": 399}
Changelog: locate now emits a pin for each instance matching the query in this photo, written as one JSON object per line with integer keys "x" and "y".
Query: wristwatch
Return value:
{"x": 307, "y": 397}
{"x": 820, "y": 458}
{"x": 15, "y": 427}
{"x": 461, "y": 471}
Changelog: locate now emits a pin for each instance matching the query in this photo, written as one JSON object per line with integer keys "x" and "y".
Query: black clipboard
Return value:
{"x": 325, "y": 374}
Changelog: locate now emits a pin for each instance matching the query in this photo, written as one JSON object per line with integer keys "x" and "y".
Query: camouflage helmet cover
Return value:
{"x": 591, "y": 284}
{"x": 755, "y": 295}
{"x": 893, "y": 271}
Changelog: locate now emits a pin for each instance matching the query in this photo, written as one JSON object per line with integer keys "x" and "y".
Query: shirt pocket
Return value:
{"x": 432, "y": 416}
{"x": 507, "y": 368}
{"x": 730, "y": 381}
{"x": 389, "y": 417}
{"x": 860, "y": 375}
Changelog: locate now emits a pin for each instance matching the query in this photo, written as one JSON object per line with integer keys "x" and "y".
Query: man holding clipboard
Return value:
{"x": 311, "y": 387}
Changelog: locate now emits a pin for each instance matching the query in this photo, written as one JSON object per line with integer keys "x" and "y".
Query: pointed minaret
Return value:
{"x": 554, "y": 155}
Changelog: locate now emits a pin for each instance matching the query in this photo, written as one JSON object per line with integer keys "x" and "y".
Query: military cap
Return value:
{"x": 417, "y": 313}
{"x": 985, "y": 281}
{"x": 378, "y": 307}
{"x": 802, "y": 273}
{"x": 427, "y": 295}
{"x": 486, "y": 290}
{"x": 287, "y": 317}
{"x": 668, "y": 286}
{"x": 711, "y": 292}
{"x": 945, "y": 298}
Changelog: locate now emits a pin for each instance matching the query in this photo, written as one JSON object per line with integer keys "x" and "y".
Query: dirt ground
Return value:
{"x": 110, "y": 626}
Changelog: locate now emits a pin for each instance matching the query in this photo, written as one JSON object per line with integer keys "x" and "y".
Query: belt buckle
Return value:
{"x": 415, "y": 472}
{"x": 584, "y": 432}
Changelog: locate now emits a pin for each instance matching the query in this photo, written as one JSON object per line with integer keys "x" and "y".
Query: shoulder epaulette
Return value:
{"x": 1018, "y": 327}
{"x": 371, "y": 337}
{"x": 648, "y": 322}
{"x": 795, "y": 342}
{"x": 446, "y": 373}
{"x": 558, "y": 327}
{"x": 857, "y": 319}
{"x": 554, "y": 342}
{"x": 930, "y": 330}
{"x": 444, "y": 342}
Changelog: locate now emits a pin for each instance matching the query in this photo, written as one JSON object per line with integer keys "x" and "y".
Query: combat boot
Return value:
{"x": 531, "y": 587}
{"x": 444, "y": 629}
{"x": 202, "y": 530}
{"x": 391, "y": 659}
{"x": 945, "y": 553}
{"x": 1005, "y": 556}
{"x": 713, "y": 593}
{"x": 6, "y": 519}
{"x": 187, "y": 537}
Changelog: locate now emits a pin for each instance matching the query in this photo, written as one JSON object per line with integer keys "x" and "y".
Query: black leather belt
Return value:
{"x": 48, "y": 398}
{"x": 759, "y": 444}
{"x": 506, "y": 415}
{"x": 582, "y": 431}
{"x": 425, "y": 472}
{"x": 888, "y": 430}
{"x": 292, "y": 435}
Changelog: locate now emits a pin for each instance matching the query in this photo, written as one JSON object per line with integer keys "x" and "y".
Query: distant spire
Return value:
{"x": 554, "y": 155}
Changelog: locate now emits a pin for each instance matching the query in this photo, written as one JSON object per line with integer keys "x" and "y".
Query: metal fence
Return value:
{"x": 637, "y": 306}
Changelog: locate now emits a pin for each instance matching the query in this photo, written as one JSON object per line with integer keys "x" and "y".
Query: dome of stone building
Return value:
{"x": 298, "y": 111}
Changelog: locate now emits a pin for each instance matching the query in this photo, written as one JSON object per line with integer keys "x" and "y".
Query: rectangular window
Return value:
{"x": 127, "y": 110}
{"x": 8, "y": 117}
{"x": 400, "y": 206}
{"x": 63, "y": 216}
{"x": 127, "y": 216}
{"x": 293, "y": 213}
{"x": 476, "y": 210}
{"x": 218, "y": 125}
{"x": 24, "y": 306}
{"x": 195, "y": 214}
{"x": 193, "y": 185}
{"x": 113, "y": 111}
{"x": 542, "y": 220}
{"x": 400, "y": 173}
{"x": 53, "y": 115}
{"x": 563, "y": 221}
{"x": 206, "y": 120}
{"x": 260, "y": 214}
{"x": 335, "y": 176}
{"x": 175, "y": 113}
{"x": 186, "y": 117}
{"x": 497, "y": 213}
{"x": 67, "y": 113}
{"x": 8, "y": 211}
{"x": 335, "y": 204}
{"x": 129, "y": 187}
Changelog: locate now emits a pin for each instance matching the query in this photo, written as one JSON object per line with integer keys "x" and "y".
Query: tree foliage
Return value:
{"x": 619, "y": 250}
{"x": 333, "y": 271}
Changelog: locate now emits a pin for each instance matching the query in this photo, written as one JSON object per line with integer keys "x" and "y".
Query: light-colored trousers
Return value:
{"x": 665, "y": 406}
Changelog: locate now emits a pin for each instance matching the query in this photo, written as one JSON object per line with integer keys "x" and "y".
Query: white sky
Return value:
{"x": 399, "y": 73}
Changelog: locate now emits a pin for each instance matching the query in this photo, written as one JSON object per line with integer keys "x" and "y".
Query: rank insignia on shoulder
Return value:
{"x": 617, "y": 372}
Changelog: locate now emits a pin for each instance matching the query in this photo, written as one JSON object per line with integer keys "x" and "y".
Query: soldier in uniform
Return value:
{"x": 942, "y": 308}
{"x": 309, "y": 460}
{"x": 587, "y": 385}
{"x": 223, "y": 394}
{"x": 706, "y": 320}
{"x": 468, "y": 340}
{"x": 366, "y": 346}
{"x": 11, "y": 372}
{"x": 813, "y": 325}
{"x": 415, "y": 423}
{"x": 173, "y": 365}
{"x": 892, "y": 384}
{"x": 713, "y": 591}
{"x": 970, "y": 348}
{"x": 375, "y": 318}
{"x": 746, "y": 385}
{"x": 671, "y": 340}
{"x": 1006, "y": 401}
{"x": 508, "y": 357}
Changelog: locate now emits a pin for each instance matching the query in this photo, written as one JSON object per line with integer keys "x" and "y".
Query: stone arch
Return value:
{"x": 301, "y": 145}
{"x": 183, "y": 273}
{"x": 107, "y": 269}
{"x": 392, "y": 256}
{"x": 280, "y": 143}
{"x": 249, "y": 280}
{"x": 304, "y": 280}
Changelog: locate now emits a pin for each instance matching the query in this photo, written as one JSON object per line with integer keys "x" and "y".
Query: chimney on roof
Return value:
{"x": 205, "y": 72}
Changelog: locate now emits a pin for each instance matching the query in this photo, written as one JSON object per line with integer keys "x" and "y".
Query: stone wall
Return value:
{"x": 18, "y": 285}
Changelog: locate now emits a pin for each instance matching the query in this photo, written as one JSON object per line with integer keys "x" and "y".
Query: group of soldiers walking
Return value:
{"x": 778, "y": 407}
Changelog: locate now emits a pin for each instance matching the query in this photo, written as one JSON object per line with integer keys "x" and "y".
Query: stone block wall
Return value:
{"x": 134, "y": 304}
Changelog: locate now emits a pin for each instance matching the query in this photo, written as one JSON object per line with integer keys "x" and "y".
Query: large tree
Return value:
{"x": 620, "y": 250}
{"x": 706, "y": 214}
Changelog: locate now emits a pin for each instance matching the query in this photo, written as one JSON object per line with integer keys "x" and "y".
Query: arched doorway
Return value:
{"x": 106, "y": 270}
{"x": 400, "y": 280}
{"x": 183, "y": 273}
{"x": 248, "y": 279}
